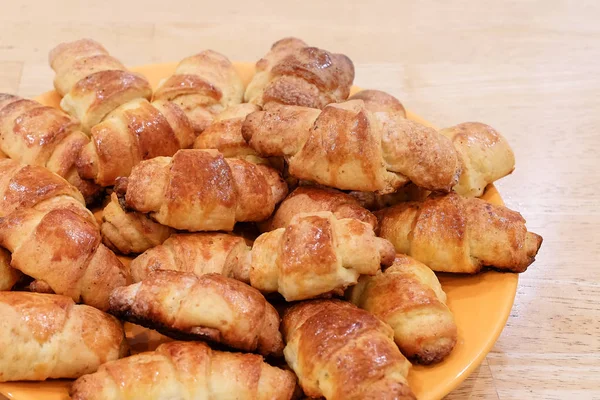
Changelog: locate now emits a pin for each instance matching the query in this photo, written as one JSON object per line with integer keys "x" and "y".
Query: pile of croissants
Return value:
{"x": 285, "y": 219}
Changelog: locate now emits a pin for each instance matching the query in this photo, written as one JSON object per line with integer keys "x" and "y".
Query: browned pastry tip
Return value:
{"x": 203, "y": 85}
{"x": 485, "y": 154}
{"x": 292, "y": 73}
{"x": 350, "y": 148}
{"x": 380, "y": 101}
{"x": 408, "y": 297}
{"x": 185, "y": 370}
{"x": 207, "y": 307}
{"x": 48, "y": 336}
{"x": 320, "y": 333}
{"x": 200, "y": 190}
{"x": 450, "y": 233}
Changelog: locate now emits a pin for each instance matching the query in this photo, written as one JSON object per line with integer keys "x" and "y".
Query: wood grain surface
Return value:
{"x": 531, "y": 69}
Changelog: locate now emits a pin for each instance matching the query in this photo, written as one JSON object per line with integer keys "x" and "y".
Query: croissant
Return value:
{"x": 53, "y": 237}
{"x": 8, "y": 275}
{"x": 209, "y": 307}
{"x": 225, "y": 133}
{"x": 46, "y": 336}
{"x": 408, "y": 297}
{"x": 294, "y": 74}
{"x": 348, "y": 147}
{"x": 199, "y": 253}
{"x": 310, "y": 199}
{"x": 451, "y": 233}
{"x": 92, "y": 82}
{"x": 203, "y": 85}
{"x": 186, "y": 371}
{"x": 32, "y": 133}
{"x": 341, "y": 352}
{"x": 379, "y": 101}
{"x": 200, "y": 190}
{"x": 136, "y": 131}
{"x": 130, "y": 231}
{"x": 485, "y": 154}
{"x": 316, "y": 254}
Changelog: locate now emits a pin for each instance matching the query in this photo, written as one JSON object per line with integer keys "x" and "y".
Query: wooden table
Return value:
{"x": 531, "y": 69}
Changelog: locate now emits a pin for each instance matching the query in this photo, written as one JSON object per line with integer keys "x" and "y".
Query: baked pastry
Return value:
{"x": 408, "y": 297}
{"x": 8, "y": 275}
{"x": 348, "y": 147}
{"x": 341, "y": 352}
{"x": 310, "y": 199}
{"x": 485, "y": 154}
{"x": 225, "y": 134}
{"x": 34, "y": 134}
{"x": 200, "y": 190}
{"x": 135, "y": 131}
{"x": 203, "y": 85}
{"x": 53, "y": 237}
{"x": 46, "y": 336}
{"x": 208, "y": 307}
{"x": 130, "y": 232}
{"x": 186, "y": 370}
{"x": 450, "y": 233}
{"x": 92, "y": 82}
{"x": 380, "y": 101}
{"x": 316, "y": 254}
{"x": 198, "y": 253}
{"x": 292, "y": 73}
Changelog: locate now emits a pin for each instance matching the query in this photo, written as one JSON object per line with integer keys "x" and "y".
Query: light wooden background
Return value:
{"x": 529, "y": 68}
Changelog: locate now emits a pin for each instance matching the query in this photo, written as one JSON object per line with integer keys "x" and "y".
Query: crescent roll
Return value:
{"x": 93, "y": 82}
{"x": 485, "y": 154}
{"x": 46, "y": 336}
{"x": 53, "y": 237}
{"x": 200, "y": 190}
{"x": 292, "y": 73}
{"x": 186, "y": 371}
{"x": 341, "y": 352}
{"x": 203, "y": 85}
{"x": 199, "y": 253}
{"x": 316, "y": 254}
{"x": 408, "y": 297}
{"x": 451, "y": 233}
{"x": 207, "y": 307}
{"x": 348, "y": 147}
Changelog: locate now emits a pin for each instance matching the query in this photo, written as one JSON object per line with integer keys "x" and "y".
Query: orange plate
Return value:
{"x": 481, "y": 305}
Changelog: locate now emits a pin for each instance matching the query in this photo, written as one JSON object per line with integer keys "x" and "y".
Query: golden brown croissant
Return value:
{"x": 485, "y": 154}
{"x": 409, "y": 298}
{"x": 310, "y": 199}
{"x": 209, "y": 307}
{"x": 53, "y": 237}
{"x": 225, "y": 133}
{"x": 46, "y": 336}
{"x": 130, "y": 231}
{"x": 8, "y": 275}
{"x": 92, "y": 82}
{"x": 136, "y": 131}
{"x": 341, "y": 352}
{"x": 316, "y": 254}
{"x": 348, "y": 147}
{"x": 451, "y": 233}
{"x": 186, "y": 371}
{"x": 200, "y": 190}
{"x": 199, "y": 253}
{"x": 379, "y": 101}
{"x": 203, "y": 85}
{"x": 34, "y": 134}
{"x": 292, "y": 73}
